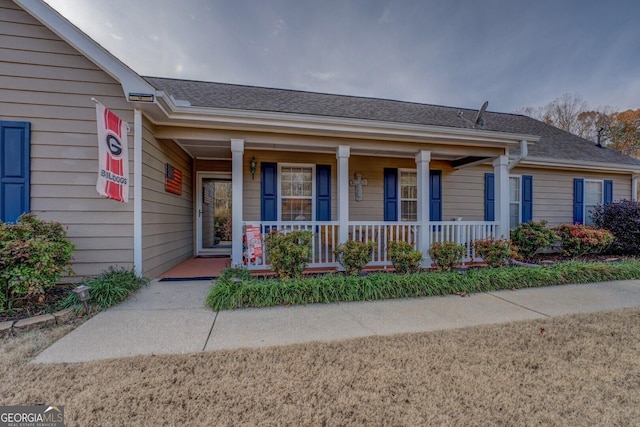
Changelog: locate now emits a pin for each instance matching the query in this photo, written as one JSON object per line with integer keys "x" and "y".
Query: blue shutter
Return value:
{"x": 14, "y": 169}
{"x": 435, "y": 195}
{"x": 578, "y": 201}
{"x": 489, "y": 197}
{"x": 390, "y": 194}
{"x": 608, "y": 191}
{"x": 269, "y": 192}
{"x": 323, "y": 193}
{"x": 527, "y": 198}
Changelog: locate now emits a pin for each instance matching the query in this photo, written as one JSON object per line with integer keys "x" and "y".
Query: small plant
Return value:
{"x": 237, "y": 272}
{"x": 580, "y": 239}
{"x": 446, "y": 255}
{"x": 404, "y": 257}
{"x": 354, "y": 255}
{"x": 496, "y": 253}
{"x": 623, "y": 220}
{"x": 34, "y": 254}
{"x": 532, "y": 237}
{"x": 111, "y": 287}
{"x": 289, "y": 253}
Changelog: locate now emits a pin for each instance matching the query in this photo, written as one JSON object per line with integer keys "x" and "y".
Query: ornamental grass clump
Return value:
{"x": 354, "y": 255}
{"x": 404, "y": 257}
{"x": 579, "y": 240}
{"x": 446, "y": 254}
{"x": 34, "y": 255}
{"x": 289, "y": 253}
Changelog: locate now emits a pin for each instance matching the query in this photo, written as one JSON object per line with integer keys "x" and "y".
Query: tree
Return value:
{"x": 623, "y": 132}
{"x": 562, "y": 112}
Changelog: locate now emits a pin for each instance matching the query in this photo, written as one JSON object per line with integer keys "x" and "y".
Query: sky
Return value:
{"x": 459, "y": 53}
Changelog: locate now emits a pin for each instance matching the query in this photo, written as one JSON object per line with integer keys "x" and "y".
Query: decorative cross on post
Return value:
{"x": 358, "y": 183}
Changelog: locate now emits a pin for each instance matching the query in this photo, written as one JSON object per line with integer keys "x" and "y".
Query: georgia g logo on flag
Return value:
{"x": 113, "y": 155}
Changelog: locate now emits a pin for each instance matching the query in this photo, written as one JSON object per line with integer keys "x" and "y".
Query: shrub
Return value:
{"x": 496, "y": 253}
{"x": 354, "y": 255}
{"x": 623, "y": 220}
{"x": 581, "y": 239}
{"x": 34, "y": 254}
{"x": 531, "y": 237}
{"x": 446, "y": 254}
{"x": 111, "y": 287}
{"x": 404, "y": 257}
{"x": 289, "y": 253}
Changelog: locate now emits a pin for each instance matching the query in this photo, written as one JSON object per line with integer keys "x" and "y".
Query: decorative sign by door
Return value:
{"x": 254, "y": 243}
{"x": 173, "y": 180}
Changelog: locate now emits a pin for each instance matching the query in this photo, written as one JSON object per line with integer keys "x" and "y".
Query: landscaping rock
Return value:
{"x": 34, "y": 323}
{"x": 5, "y": 328}
{"x": 63, "y": 316}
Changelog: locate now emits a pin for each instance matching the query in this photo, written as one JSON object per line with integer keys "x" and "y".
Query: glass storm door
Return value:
{"x": 215, "y": 217}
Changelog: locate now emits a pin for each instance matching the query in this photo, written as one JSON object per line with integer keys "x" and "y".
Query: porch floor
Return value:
{"x": 197, "y": 268}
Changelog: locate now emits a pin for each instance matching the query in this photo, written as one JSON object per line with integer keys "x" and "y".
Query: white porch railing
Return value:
{"x": 324, "y": 240}
{"x": 463, "y": 233}
{"x": 325, "y": 237}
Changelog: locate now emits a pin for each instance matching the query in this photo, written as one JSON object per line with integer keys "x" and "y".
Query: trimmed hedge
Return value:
{"x": 227, "y": 294}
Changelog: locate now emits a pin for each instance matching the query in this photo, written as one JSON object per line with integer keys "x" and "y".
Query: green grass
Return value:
{"x": 252, "y": 292}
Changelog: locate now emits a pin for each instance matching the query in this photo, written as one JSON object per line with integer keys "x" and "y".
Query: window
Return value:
{"x": 515, "y": 199}
{"x": 593, "y": 196}
{"x": 408, "y": 195}
{"x": 296, "y": 192}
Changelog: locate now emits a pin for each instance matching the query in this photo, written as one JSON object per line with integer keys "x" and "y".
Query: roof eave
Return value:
{"x": 322, "y": 125}
{"x": 581, "y": 164}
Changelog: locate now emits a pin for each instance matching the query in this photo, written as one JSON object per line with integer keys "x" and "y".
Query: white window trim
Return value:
{"x": 313, "y": 187}
{"x": 519, "y": 201}
{"x": 584, "y": 197}
{"x": 400, "y": 199}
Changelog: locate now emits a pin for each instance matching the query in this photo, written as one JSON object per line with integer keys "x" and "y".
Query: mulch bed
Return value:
{"x": 34, "y": 306}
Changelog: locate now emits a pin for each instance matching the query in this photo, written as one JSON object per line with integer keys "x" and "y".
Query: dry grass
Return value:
{"x": 581, "y": 370}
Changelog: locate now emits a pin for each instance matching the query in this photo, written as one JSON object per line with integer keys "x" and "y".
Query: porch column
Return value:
{"x": 343, "y": 192}
{"x": 137, "y": 191}
{"x": 422, "y": 163}
{"x": 634, "y": 187}
{"x": 501, "y": 177}
{"x": 237, "y": 153}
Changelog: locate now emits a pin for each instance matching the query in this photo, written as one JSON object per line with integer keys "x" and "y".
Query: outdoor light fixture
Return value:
{"x": 83, "y": 295}
{"x": 252, "y": 167}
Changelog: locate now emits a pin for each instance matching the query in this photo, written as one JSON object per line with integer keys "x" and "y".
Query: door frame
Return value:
{"x": 200, "y": 176}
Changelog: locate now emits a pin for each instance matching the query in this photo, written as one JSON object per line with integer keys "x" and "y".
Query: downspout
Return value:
{"x": 137, "y": 191}
{"x": 524, "y": 151}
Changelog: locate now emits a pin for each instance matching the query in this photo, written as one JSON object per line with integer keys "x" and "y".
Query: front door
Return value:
{"x": 214, "y": 216}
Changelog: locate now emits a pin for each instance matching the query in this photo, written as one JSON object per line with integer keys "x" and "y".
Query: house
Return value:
{"x": 343, "y": 167}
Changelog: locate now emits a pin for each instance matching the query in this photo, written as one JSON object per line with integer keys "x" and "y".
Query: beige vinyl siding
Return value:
{"x": 553, "y": 191}
{"x": 46, "y": 82}
{"x": 167, "y": 230}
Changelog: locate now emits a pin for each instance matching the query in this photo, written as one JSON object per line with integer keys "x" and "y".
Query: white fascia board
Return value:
{"x": 276, "y": 120}
{"x": 583, "y": 165}
{"x": 131, "y": 82}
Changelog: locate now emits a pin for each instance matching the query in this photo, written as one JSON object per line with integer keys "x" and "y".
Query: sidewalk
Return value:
{"x": 170, "y": 318}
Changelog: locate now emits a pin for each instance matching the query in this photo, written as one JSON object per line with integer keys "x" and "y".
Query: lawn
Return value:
{"x": 573, "y": 370}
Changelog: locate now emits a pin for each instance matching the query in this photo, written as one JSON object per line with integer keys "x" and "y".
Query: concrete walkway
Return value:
{"x": 170, "y": 318}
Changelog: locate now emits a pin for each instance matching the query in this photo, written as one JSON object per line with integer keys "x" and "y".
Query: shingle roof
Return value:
{"x": 554, "y": 143}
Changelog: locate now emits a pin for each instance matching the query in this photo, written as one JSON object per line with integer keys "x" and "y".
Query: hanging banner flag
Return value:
{"x": 113, "y": 155}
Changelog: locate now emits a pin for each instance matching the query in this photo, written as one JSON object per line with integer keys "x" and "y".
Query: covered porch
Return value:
{"x": 447, "y": 201}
